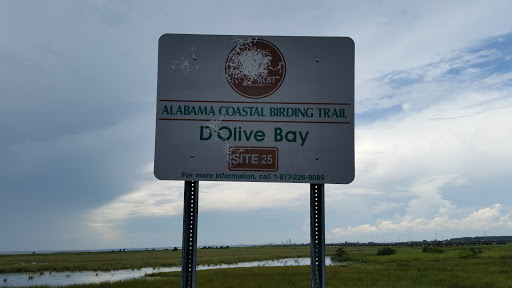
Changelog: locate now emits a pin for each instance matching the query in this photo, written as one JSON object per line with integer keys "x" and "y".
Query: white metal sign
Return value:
{"x": 255, "y": 108}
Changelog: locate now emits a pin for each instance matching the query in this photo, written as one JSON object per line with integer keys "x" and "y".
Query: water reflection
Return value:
{"x": 85, "y": 277}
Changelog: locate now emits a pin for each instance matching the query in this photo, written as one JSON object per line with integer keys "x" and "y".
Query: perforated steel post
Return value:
{"x": 189, "y": 244}
{"x": 317, "y": 230}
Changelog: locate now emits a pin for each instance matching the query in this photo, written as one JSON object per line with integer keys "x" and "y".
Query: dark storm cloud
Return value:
{"x": 76, "y": 112}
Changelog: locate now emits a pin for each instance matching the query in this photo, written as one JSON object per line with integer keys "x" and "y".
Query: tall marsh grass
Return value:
{"x": 409, "y": 267}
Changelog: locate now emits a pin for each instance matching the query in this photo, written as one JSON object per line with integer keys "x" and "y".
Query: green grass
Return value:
{"x": 409, "y": 267}
{"x": 106, "y": 261}
{"x": 98, "y": 261}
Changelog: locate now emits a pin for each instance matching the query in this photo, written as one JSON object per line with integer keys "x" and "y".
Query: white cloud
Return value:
{"x": 428, "y": 211}
{"x": 405, "y": 34}
{"x": 165, "y": 198}
{"x": 450, "y": 124}
{"x": 450, "y": 78}
{"x": 428, "y": 199}
{"x": 150, "y": 198}
{"x": 454, "y": 130}
{"x": 484, "y": 219}
{"x": 404, "y": 147}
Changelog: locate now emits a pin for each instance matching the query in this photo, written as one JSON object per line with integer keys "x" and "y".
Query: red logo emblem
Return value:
{"x": 255, "y": 68}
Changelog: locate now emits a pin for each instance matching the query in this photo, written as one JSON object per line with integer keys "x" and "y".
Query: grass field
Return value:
{"x": 106, "y": 261}
{"x": 409, "y": 267}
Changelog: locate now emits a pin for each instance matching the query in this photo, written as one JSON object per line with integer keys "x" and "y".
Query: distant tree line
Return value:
{"x": 215, "y": 247}
{"x": 482, "y": 238}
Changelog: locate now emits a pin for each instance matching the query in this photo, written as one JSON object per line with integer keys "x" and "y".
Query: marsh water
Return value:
{"x": 84, "y": 277}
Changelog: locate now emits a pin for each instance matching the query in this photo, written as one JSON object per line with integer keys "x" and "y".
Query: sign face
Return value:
{"x": 255, "y": 108}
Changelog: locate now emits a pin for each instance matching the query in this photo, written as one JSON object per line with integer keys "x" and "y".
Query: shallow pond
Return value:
{"x": 84, "y": 277}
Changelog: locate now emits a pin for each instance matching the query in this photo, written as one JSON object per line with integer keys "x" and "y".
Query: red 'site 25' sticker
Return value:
{"x": 253, "y": 158}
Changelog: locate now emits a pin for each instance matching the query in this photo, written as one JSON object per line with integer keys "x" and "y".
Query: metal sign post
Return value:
{"x": 189, "y": 244}
{"x": 317, "y": 230}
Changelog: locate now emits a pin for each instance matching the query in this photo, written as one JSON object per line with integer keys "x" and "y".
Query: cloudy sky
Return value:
{"x": 433, "y": 133}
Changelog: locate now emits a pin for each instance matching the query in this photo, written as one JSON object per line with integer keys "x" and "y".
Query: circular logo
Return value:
{"x": 255, "y": 68}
